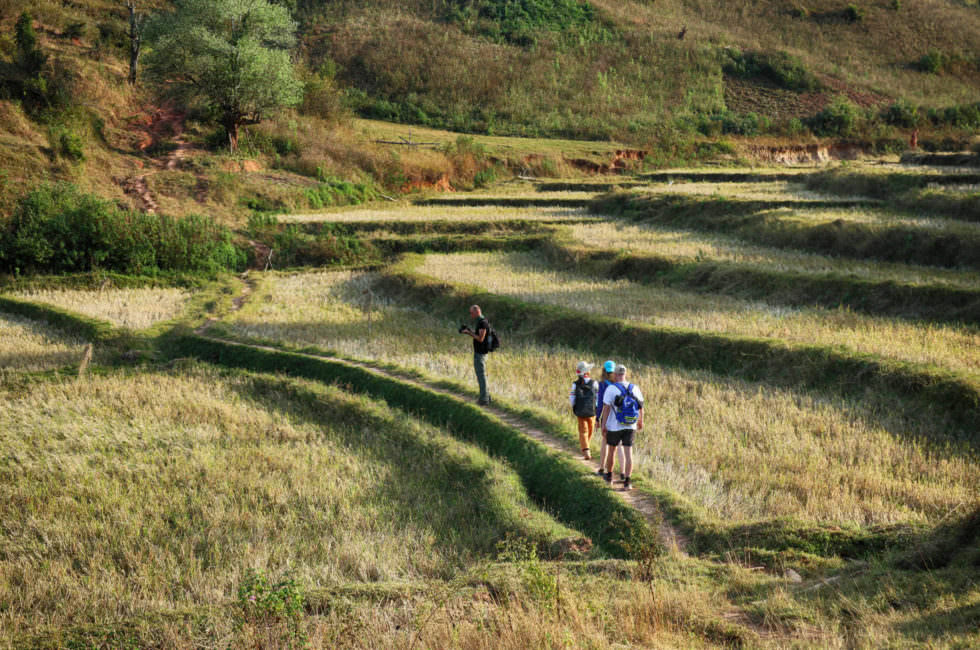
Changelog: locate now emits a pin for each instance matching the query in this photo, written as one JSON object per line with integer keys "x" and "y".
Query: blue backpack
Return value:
{"x": 627, "y": 408}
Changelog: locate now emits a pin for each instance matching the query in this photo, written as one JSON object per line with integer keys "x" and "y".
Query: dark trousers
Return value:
{"x": 480, "y": 366}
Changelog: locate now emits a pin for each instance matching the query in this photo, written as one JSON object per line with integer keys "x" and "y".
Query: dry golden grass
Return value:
{"x": 134, "y": 493}
{"x": 524, "y": 276}
{"x": 688, "y": 246}
{"x": 706, "y": 437}
{"x": 29, "y": 345}
{"x": 133, "y": 308}
{"x": 422, "y": 214}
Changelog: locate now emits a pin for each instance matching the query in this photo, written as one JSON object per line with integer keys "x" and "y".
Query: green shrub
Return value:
{"x": 521, "y": 22}
{"x": 902, "y": 113}
{"x": 484, "y": 178}
{"x": 783, "y": 69}
{"x": 933, "y": 62}
{"x": 272, "y": 611}
{"x": 838, "y": 119}
{"x": 71, "y": 146}
{"x": 75, "y": 30}
{"x": 964, "y": 116}
{"x": 854, "y": 14}
{"x": 59, "y": 229}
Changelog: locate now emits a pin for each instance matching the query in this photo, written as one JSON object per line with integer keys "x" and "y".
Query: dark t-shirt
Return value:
{"x": 478, "y": 346}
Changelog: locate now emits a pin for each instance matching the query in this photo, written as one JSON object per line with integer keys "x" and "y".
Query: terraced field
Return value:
{"x": 811, "y": 389}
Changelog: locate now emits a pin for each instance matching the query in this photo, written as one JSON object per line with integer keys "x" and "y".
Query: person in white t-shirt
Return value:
{"x": 622, "y": 417}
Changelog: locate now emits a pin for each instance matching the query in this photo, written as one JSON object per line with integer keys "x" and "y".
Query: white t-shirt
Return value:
{"x": 612, "y": 424}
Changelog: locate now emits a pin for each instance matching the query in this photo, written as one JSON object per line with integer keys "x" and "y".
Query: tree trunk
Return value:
{"x": 135, "y": 40}
{"x": 231, "y": 126}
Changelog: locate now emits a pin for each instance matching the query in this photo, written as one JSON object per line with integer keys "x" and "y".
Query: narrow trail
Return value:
{"x": 163, "y": 121}
{"x": 670, "y": 537}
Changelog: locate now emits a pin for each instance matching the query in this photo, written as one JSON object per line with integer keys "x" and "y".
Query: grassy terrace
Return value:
{"x": 712, "y": 432}
{"x": 132, "y": 308}
{"x": 779, "y": 436}
{"x": 859, "y": 232}
{"x": 525, "y": 277}
{"x": 436, "y": 213}
{"x": 27, "y": 345}
{"x": 256, "y": 454}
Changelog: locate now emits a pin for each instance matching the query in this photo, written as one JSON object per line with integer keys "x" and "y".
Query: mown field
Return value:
{"x": 811, "y": 430}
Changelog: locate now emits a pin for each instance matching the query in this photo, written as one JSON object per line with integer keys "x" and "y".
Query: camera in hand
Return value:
{"x": 463, "y": 327}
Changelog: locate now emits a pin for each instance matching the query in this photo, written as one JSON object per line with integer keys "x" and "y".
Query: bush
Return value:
{"x": 272, "y": 612}
{"x": 484, "y": 178}
{"x": 933, "y": 62}
{"x": 75, "y": 30}
{"x": 854, "y": 14}
{"x": 728, "y": 123}
{"x": 902, "y": 113}
{"x": 521, "y": 22}
{"x": 58, "y": 229}
{"x": 964, "y": 116}
{"x": 838, "y": 119}
{"x": 783, "y": 69}
{"x": 71, "y": 146}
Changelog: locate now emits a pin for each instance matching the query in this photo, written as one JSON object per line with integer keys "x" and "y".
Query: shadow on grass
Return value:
{"x": 458, "y": 495}
{"x": 754, "y": 221}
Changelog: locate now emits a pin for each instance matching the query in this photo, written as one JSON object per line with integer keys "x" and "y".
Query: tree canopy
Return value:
{"x": 231, "y": 56}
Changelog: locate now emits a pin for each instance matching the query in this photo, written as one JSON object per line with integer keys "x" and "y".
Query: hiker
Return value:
{"x": 479, "y": 334}
{"x": 583, "y": 400}
{"x": 622, "y": 417}
{"x": 607, "y": 376}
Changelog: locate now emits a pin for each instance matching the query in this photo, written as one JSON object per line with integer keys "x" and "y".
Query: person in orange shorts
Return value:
{"x": 583, "y": 400}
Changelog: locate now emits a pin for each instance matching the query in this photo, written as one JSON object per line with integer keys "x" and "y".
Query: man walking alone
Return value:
{"x": 622, "y": 417}
{"x": 481, "y": 347}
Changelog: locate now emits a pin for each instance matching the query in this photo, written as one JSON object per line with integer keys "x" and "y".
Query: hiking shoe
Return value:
{"x": 599, "y": 472}
{"x": 626, "y": 484}
{"x": 622, "y": 477}
{"x": 607, "y": 477}
{"x": 586, "y": 454}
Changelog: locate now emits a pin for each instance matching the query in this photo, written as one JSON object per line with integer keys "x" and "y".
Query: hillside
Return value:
{"x": 683, "y": 82}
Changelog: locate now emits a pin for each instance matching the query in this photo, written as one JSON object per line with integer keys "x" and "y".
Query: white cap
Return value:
{"x": 583, "y": 367}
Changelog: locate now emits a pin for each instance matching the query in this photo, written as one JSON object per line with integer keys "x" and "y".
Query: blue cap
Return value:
{"x": 609, "y": 366}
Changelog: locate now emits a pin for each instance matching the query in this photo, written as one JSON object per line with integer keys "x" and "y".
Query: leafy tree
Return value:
{"x": 232, "y": 56}
{"x": 29, "y": 55}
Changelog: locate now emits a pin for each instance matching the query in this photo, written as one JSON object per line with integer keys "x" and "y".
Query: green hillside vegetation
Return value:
{"x": 615, "y": 73}
{"x": 639, "y": 71}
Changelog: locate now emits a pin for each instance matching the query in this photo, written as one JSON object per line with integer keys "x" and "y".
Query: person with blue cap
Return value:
{"x": 608, "y": 368}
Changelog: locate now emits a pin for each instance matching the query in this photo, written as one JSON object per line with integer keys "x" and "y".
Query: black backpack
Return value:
{"x": 584, "y": 406}
{"x": 493, "y": 341}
